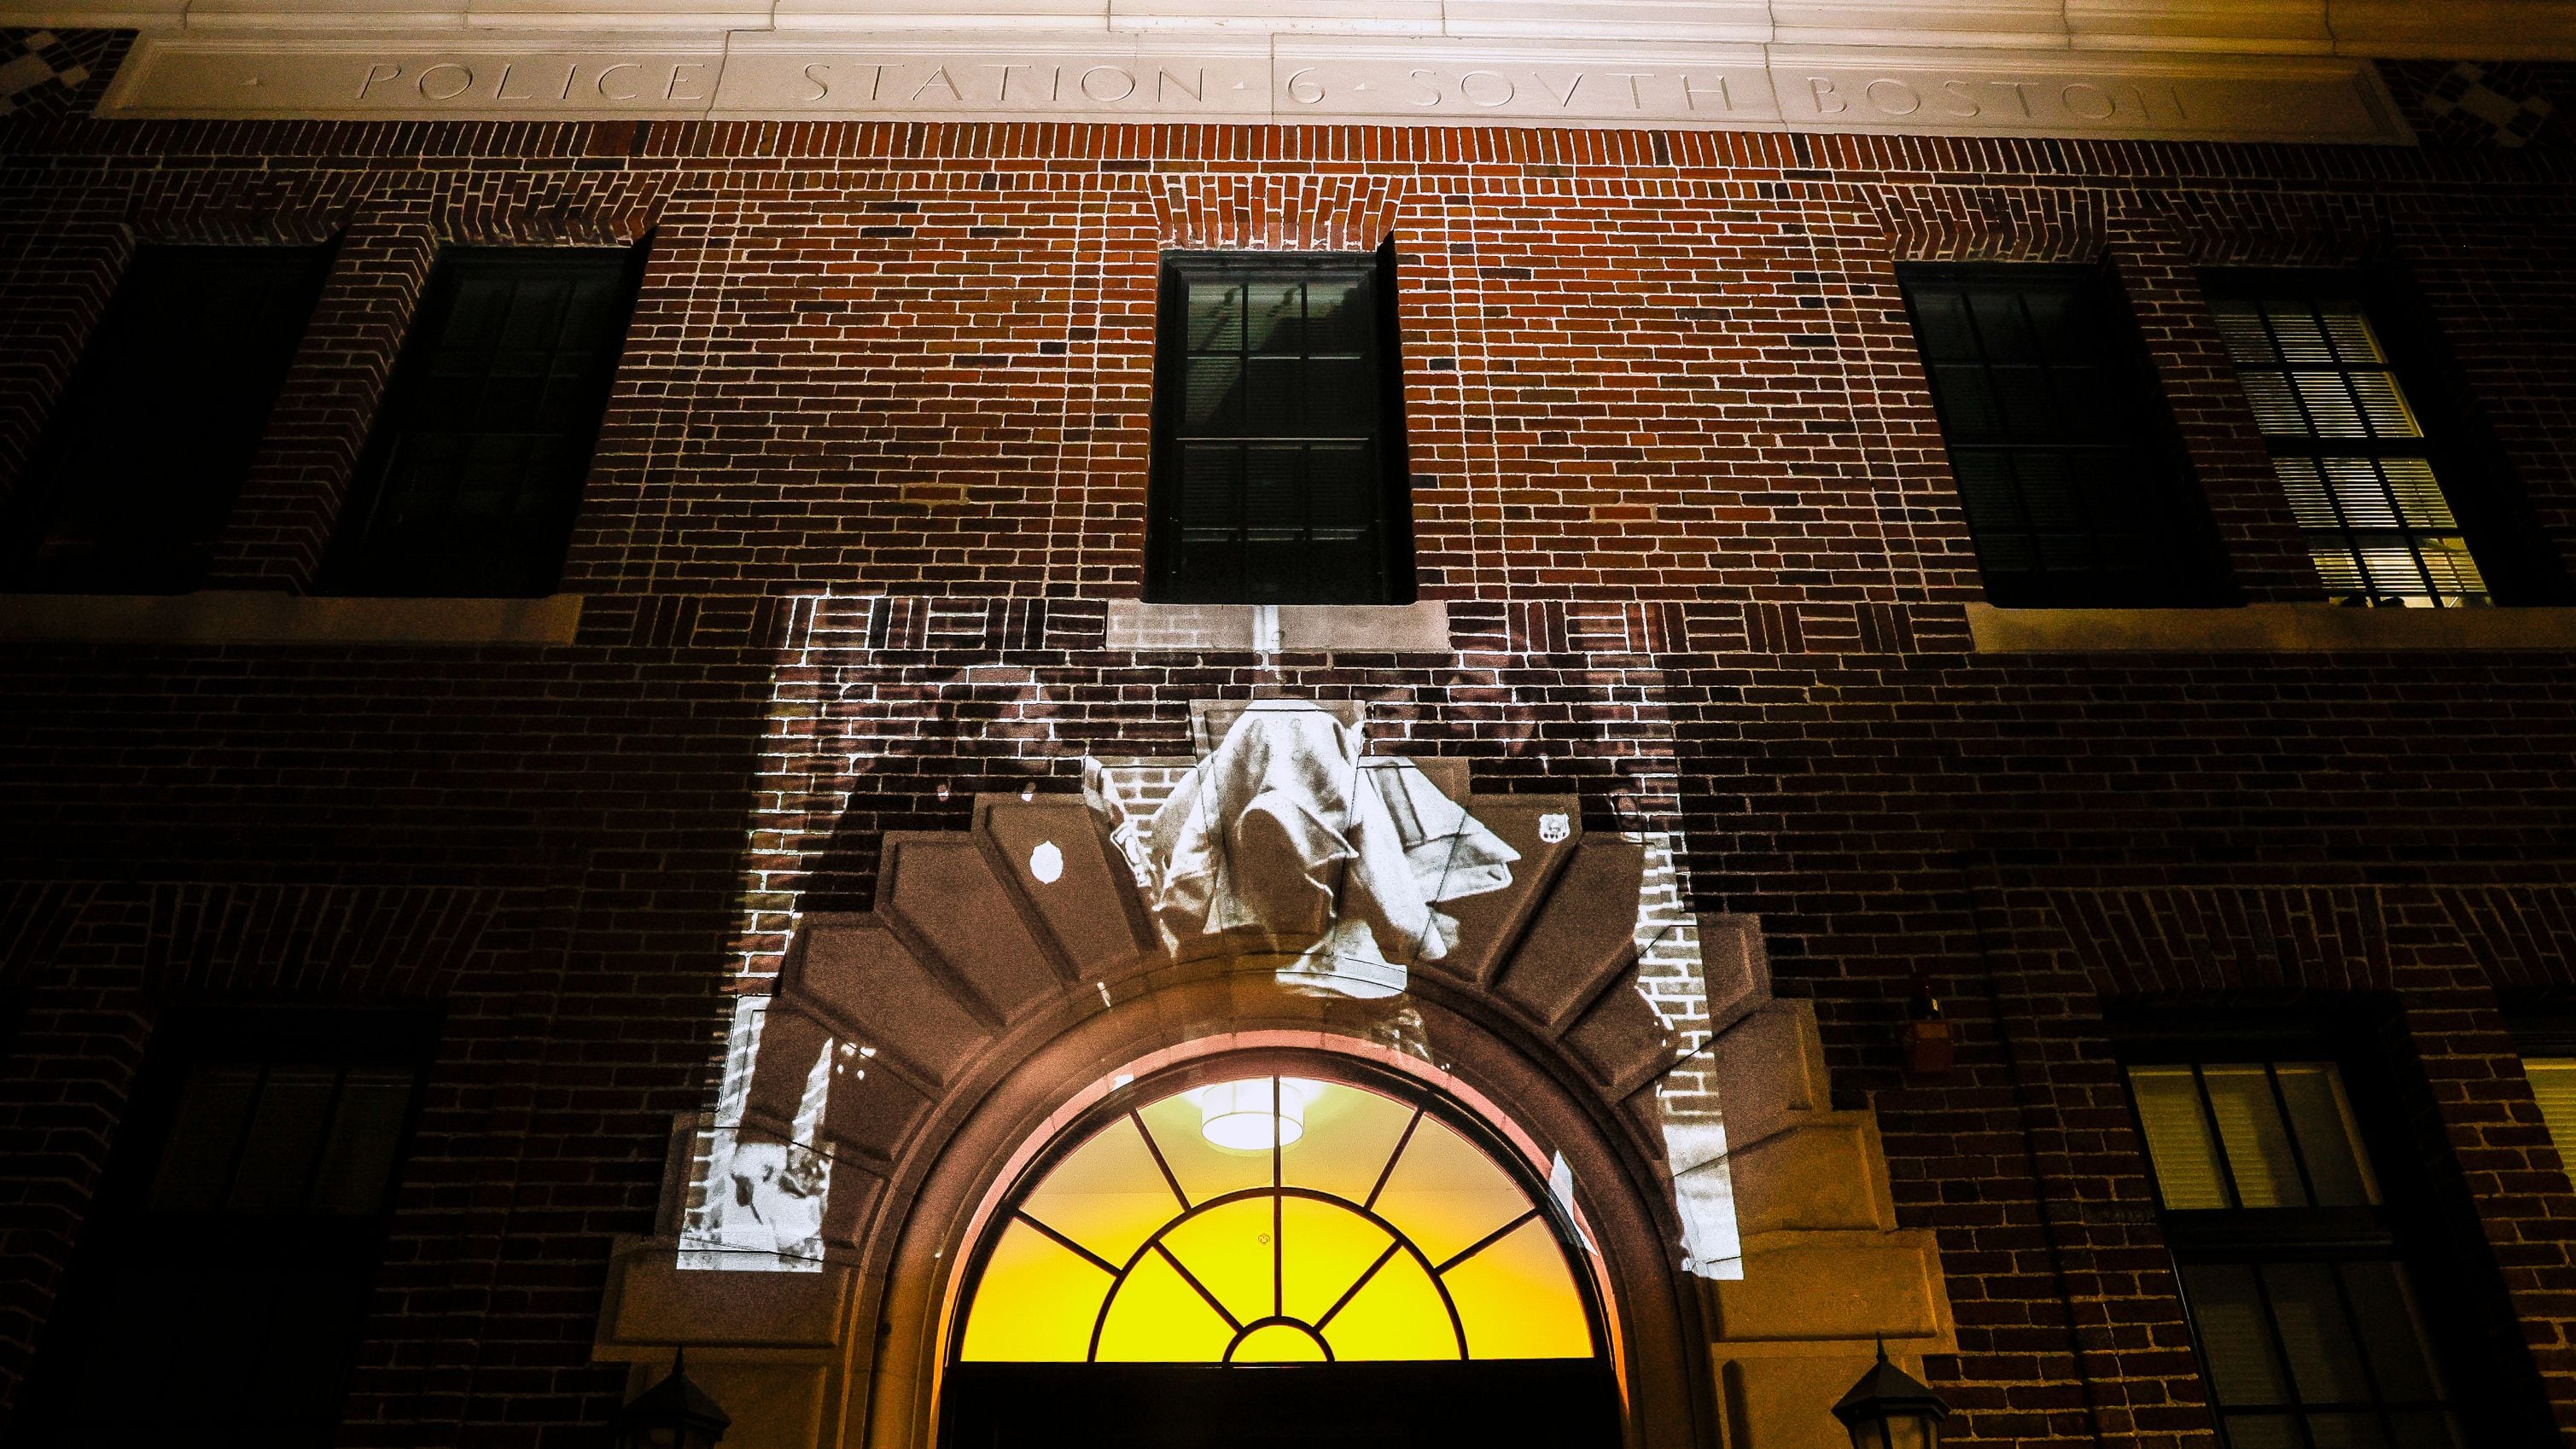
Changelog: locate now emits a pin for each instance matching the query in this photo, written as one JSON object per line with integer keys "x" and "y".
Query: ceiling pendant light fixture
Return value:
{"x": 1242, "y": 1117}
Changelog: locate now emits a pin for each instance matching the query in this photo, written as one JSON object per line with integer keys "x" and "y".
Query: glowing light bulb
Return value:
{"x": 1241, "y": 1117}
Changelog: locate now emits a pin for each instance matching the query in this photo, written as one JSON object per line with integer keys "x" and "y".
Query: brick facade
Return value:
{"x": 875, "y": 461}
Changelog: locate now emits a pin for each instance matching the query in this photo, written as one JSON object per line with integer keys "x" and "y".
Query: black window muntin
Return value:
{"x": 2516, "y": 556}
{"x": 2074, "y": 483}
{"x": 1569, "y": 1403}
{"x": 1301, "y": 395}
{"x": 138, "y": 469}
{"x": 247, "y": 1314}
{"x": 2423, "y": 1224}
{"x": 472, "y": 474}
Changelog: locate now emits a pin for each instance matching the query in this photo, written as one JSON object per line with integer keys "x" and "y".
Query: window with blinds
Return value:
{"x": 473, "y": 473}
{"x": 2553, "y": 1086}
{"x": 2073, "y": 485}
{"x": 2352, "y": 452}
{"x": 1279, "y": 465}
{"x": 2301, "y": 1301}
{"x": 138, "y": 469}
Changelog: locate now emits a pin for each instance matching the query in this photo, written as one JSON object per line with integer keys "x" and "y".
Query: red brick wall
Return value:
{"x": 1676, "y": 473}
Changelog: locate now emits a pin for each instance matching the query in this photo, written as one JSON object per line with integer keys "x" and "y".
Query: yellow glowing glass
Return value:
{"x": 1368, "y": 1228}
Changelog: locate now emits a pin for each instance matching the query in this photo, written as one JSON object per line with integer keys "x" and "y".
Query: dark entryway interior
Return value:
{"x": 1558, "y": 1403}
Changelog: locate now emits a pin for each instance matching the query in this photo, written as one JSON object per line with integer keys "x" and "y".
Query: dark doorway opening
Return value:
{"x": 1558, "y": 1403}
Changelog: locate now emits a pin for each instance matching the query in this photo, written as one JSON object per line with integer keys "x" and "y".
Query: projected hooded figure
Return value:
{"x": 1286, "y": 833}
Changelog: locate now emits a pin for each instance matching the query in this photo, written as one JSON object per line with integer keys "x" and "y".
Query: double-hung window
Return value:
{"x": 1279, "y": 463}
{"x": 2363, "y": 472}
{"x": 472, "y": 476}
{"x": 139, "y": 467}
{"x": 234, "y": 1243}
{"x": 2074, "y": 486}
{"x": 2294, "y": 1268}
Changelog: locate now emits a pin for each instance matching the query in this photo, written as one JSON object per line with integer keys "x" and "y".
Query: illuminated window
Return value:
{"x": 2553, "y": 1086}
{"x": 2351, "y": 450}
{"x": 2293, "y": 1269}
{"x": 1271, "y": 1220}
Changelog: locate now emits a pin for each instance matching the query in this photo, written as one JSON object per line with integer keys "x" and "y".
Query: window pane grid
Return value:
{"x": 1272, "y": 1219}
{"x": 2057, "y": 471}
{"x": 234, "y": 1242}
{"x": 265, "y": 1140}
{"x": 2296, "y": 1358}
{"x": 2267, "y": 1143}
{"x": 2306, "y": 1325}
{"x": 1270, "y": 455}
{"x": 485, "y": 444}
{"x": 2350, "y": 452}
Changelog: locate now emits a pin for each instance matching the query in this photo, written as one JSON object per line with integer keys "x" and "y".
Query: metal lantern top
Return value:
{"x": 1890, "y": 1409}
{"x": 673, "y": 1414}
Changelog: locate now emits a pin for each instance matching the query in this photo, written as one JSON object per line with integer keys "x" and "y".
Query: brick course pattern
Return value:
{"x": 875, "y": 462}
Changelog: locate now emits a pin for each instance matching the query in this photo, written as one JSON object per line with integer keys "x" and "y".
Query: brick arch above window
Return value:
{"x": 1993, "y": 223}
{"x": 2228, "y": 230}
{"x": 2183, "y": 939}
{"x": 1230, "y": 212}
{"x": 342, "y": 941}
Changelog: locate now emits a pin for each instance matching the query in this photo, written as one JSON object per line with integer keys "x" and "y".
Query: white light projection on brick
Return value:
{"x": 1282, "y": 845}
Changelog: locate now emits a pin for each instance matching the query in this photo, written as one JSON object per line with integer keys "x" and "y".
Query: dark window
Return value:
{"x": 2304, "y": 1267}
{"x": 234, "y": 1241}
{"x": 2364, "y": 473}
{"x": 1279, "y": 466}
{"x": 472, "y": 476}
{"x": 2075, "y": 489}
{"x": 137, "y": 472}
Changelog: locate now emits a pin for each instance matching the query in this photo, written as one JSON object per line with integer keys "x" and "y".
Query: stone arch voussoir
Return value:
{"x": 1008, "y": 968}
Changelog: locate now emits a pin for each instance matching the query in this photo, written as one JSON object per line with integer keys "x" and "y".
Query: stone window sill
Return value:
{"x": 256, "y": 617}
{"x": 1297, "y": 628}
{"x": 2266, "y": 628}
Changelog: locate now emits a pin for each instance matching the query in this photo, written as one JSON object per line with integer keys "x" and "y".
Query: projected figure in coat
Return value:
{"x": 1287, "y": 838}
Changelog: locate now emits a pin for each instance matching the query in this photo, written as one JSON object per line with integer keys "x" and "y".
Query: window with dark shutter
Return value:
{"x": 138, "y": 470}
{"x": 472, "y": 476}
{"x": 234, "y": 1243}
{"x": 1279, "y": 468}
{"x": 2362, "y": 471}
{"x": 2075, "y": 489}
{"x": 2303, "y": 1268}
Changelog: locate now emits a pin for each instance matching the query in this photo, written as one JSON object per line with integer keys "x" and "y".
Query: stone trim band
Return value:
{"x": 1278, "y": 79}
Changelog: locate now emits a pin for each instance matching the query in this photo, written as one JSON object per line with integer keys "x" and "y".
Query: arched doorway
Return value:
{"x": 1279, "y": 1248}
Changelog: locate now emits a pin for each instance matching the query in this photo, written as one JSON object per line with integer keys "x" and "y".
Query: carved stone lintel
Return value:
{"x": 1235, "y": 77}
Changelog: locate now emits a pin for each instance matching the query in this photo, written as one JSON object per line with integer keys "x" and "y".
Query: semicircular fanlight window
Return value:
{"x": 1271, "y": 1220}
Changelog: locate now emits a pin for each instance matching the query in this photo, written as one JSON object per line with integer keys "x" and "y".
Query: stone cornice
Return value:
{"x": 1299, "y": 78}
{"x": 2285, "y": 70}
{"x": 2371, "y": 29}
